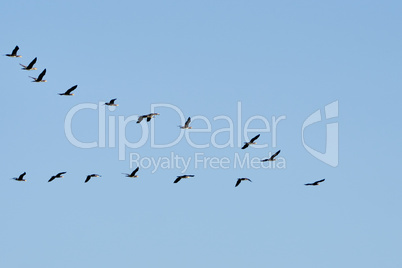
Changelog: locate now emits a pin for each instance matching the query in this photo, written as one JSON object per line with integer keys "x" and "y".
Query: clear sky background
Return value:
{"x": 278, "y": 58}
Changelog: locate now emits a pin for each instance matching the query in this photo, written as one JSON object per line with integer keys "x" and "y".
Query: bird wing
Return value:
{"x": 135, "y": 171}
{"x": 15, "y": 50}
{"x": 71, "y": 89}
{"x": 52, "y": 178}
{"x": 112, "y": 101}
{"x": 245, "y": 146}
{"x": 275, "y": 154}
{"x": 309, "y": 184}
{"x": 24, "y": 66}
{"x": 88, "y": 178}
{"x": 320, "y": 181}
{"x": 22, "y": 176}
{"x": 187, "y": 122}
{"x": 238, "y": 182}
{"x": 149, "y": 119}
{"x": 42, "y": 74}
{"x": 256, "y": 137}
{"x": 61, "y": 173}
{"x": 177, "y": 180}
{"x": 31, "y": 64}
{"x": 140, "y": 119}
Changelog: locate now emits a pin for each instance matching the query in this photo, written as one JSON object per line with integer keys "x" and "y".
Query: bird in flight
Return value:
{"x": 21, "y": 177}
{"x": 68, "y": 92}
{"x": 186, "y": 125}
{"x": 182, "y": 177}
{"x": 147, "y": 116}
{"x": 14, "y": 53}
{"x": 272, "y": 158}
{"x": 30, "y": 66}
{"x": 40, "y": 77}
{"x": 132, "y": 175}
{"x": 90, "y": 176}
{"x": 240, "y": 180}
{"x": 316, "y": 183}
{"x": 58, "y": 175}
{"x": 246, "y": 144}
{"x": 111, "y": 103}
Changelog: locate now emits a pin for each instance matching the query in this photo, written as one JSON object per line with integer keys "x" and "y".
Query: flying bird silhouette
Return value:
{"x": 186, "y": 125}
{"x": 147, "y": 116}
{"x": 90, "y": 176}
{"x": 182, "y": 177}
{"x": 14, "y": 53}
{"x": 68, "y": 92}
{"x": 240, "y": 180}
{"x": 21, "y": 177}
{"x": 246, "y": 144}
{"x": 111, "y": 103}
{"x": 40, "y": 77}
{"x": 272, "y": 158}
{"x": 132, "y": 175}
{"x": 58, "y": 175}
{"x": 30, "y": 66}
{"x": 316, "y": 183}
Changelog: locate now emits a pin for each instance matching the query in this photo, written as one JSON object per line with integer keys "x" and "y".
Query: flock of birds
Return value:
{"x": 148, "y": 117}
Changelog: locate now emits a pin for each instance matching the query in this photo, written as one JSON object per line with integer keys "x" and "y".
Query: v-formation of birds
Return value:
{"x": 148, "y": 117}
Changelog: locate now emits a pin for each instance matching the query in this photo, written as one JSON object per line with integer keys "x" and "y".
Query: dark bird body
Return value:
{"x": 186, "y": 125}
{"x": 272, "y": 158}
{"x": 111, "y": 103}
{"x": 240, "y": 180}
{"x": 252, "y": 141}
{"x": 132, "y": 175}
{"x": 40, "y": 77}
{"x": 58, "y": 175}
{"x": 316, "y": 183}
{"x": 68, "y": 92}
{"x": 90, "y": 176}
{"x": 147, "y": 116}
{"x": 21, "y": 177}
{"x": 182, "y": 177}
{"x": 30, "y": 66}
{"x": 14, "y": 53}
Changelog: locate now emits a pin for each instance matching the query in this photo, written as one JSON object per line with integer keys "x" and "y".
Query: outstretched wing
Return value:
{"x": 61, "y": 173}
{"x": 177, "y": 180}
{"x": 112, "y": 101}
{"x": 14, "y": 53}
{"x": 31, "y": 64}
{"x": 187, "y": 122}
{"x": 52, "y": 178}
{"x": 135, "y": 171}
{"x": 253, "y": 139}
{"x": 245, "y": 146}
{"x": 149, "y": 118}
{"x": 71, "y": 90}
{"x": 88, "y": 178}
{"x": 238, "y": 182}
{"x": 275, "y": 154}
{"x": 42, "y": 74}
{"x": 319, "y": 181}
{"x": 22, "y": 176}
{"x": 140, "y": 119}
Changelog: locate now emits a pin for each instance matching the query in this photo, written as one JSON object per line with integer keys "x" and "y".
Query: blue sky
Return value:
{"x": 205, "y": 58}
